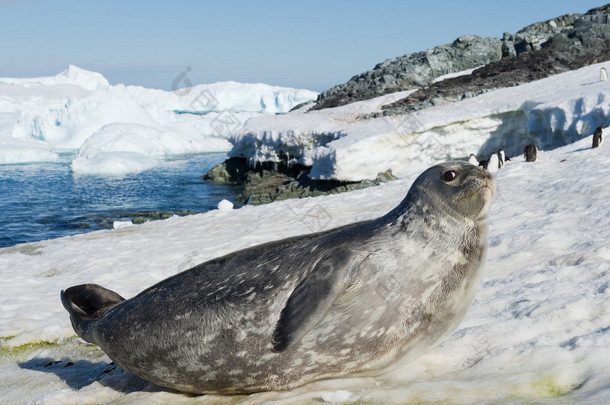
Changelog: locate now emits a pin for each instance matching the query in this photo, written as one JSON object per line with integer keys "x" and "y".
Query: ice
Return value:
{"x": 225, "y": 205}
{"x": 24, "y": 150}
{"x": 41, "y": 115}
{"x": 548, "y": 113}
{"x": 121, "y": 224}
{"x": 127, "y": 148}
{"x": 456, "y": 74}
{"x": 72, "y": 75}
{"x": 68, "y": 126}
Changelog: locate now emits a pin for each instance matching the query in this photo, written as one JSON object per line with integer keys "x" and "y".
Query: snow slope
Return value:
{"x": 549, "y": 113}
{"x": 80, "y": 110}
{"x": 538, "y": 331}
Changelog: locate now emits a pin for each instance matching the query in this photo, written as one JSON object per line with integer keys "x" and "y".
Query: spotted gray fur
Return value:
{"x": 350, "y": 301}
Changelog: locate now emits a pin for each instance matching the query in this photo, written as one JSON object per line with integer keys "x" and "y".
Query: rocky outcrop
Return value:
{"x": 543, "y": 49}
{"x": 232, "y": 171}
{"x": 533, "y": 37}
{"x": 269, "y": 182}
{"x": 419, "y": 69}
{"x": 413, "y": 70}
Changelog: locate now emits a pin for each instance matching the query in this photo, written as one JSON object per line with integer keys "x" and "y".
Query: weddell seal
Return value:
{"x": 350, "y": 301}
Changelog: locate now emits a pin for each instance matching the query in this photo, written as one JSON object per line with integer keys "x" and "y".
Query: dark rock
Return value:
{"x": 543, "y": 49}
{"x": 231, "y": 170}
{"x": 589, "y": 32}
{"x": 267, "y": 186}
{"x": 413, "y": 70}
{"x": 141, "y": 217}
{"x": 278, "y": 181}
{"x": 300, "y": 105}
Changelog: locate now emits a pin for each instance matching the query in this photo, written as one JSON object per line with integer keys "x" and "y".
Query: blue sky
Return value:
{"x": 308, "y": 44}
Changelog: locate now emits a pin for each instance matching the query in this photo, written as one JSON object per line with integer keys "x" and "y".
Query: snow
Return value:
{"x": 79, "y": 110}
{"x": 548, "y": 113}
{"x": 456, "y": 74}
{"x": 336, "y": 396}
{"x": 121, "y": 224}
{"x": 225, "y": 205}
{"x": 537, "y": 331}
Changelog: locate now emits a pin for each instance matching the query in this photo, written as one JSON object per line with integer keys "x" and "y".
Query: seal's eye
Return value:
{"x": 449, "y": 175}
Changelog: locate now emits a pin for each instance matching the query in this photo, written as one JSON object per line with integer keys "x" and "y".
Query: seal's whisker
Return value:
{"x": 500, "y": 193}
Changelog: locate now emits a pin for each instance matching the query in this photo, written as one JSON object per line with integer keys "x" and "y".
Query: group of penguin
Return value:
{"x": 496, "y": 160}
{"x": 493, "y": 164}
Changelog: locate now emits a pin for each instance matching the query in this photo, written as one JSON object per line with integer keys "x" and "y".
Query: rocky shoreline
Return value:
{"x": 270, "y": 182}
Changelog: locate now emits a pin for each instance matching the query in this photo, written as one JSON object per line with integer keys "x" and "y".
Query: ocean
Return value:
{"x": 42, "y": 201}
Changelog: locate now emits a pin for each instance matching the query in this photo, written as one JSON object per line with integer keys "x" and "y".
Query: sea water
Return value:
{"x": 46, "y": 200}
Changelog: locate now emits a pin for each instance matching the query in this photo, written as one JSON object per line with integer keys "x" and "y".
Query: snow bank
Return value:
{"x": 66, "y": 110}
{"x": 549, "y": 113}
{"x": 537, "y": 331}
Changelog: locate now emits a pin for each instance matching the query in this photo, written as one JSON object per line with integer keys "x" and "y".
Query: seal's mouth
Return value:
{"x": 489, "y": 184}
{"x": 491, "y": 188}
{"x": 475, "y": 201}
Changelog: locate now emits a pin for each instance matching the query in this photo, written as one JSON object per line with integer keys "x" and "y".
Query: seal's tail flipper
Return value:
{"x": 87, "y": 303}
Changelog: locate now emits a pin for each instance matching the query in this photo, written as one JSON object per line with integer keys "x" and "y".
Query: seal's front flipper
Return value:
{"x": 310, "y": 301}
{"x": 87, "y": 303}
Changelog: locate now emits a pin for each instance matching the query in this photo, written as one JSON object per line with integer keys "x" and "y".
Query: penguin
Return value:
{"x": 501, "y": 156}
{"x": 598, "y": 136}
{"x": 531, "y": 153}
{"x": 603, "y": 75}
{"x": 493, "y": 164}
{"x": 473, "y": 160}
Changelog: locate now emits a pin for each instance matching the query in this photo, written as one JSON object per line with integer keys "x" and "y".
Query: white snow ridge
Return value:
{"x": 538, "y": 330}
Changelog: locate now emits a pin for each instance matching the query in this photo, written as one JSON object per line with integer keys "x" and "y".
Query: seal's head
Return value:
{"x": 459, "y": 189}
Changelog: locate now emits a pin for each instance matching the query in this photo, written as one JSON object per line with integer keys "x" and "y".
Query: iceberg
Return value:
{"x": 120, "y": 148}
{"x": 41, "y": 115}
{"x": 73, "y": 75}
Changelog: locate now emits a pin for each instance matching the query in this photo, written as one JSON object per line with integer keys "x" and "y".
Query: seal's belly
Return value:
{"x": 361, "y": 336}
